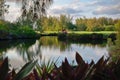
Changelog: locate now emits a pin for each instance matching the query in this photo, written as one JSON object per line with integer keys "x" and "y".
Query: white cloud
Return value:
{"x": 14, "y": 12}
{"x": 111, "y": 10}
{"x": 78, "y": 8}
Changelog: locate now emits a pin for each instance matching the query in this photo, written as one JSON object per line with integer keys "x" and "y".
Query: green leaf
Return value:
{"x": 26, "y": 69}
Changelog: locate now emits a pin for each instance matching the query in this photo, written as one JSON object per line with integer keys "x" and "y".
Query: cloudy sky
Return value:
{"x": 77, "y": 8}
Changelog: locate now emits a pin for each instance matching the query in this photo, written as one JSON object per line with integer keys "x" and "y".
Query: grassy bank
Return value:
{"x": 76, "y": 32}
{"x": 101, "y": 35}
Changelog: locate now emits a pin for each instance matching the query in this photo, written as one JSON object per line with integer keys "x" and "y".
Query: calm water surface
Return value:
{"x": 21, "y": 51}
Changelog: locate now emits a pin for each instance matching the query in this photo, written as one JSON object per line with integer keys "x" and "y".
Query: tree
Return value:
{"x": 66, "y": 22}
{"x": 3, "y": 9}
{"x": 33, "y": 10}
{"x": 117, "y": 25}
{"x": 114, "y": 49}
{"x": 81, "y": 24}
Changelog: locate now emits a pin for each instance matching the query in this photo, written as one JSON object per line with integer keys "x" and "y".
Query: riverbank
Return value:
{"x": 9, "y": 35}
{"x": 71, "y": 35}
{"x": 87, "y": 36}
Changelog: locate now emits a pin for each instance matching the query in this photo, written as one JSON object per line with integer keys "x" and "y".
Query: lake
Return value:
{"x": 50, "y": 48}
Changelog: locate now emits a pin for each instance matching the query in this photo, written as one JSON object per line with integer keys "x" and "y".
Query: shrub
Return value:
{"x": 4, "y": 26}
{"x": 98, "y": 28}
{"x": 110, "y": 28}
{"x": 81, "y": 27}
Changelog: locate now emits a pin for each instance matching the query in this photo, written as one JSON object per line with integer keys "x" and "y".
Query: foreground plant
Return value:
{"x": 104, "y": 69}
{"x": 7, "y": 74}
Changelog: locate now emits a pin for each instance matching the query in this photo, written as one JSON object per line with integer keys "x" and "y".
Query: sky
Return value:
{"x": 76, "y": 8}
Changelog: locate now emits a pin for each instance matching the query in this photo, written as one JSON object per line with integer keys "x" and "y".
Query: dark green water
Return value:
{"x": 21, "y": 51}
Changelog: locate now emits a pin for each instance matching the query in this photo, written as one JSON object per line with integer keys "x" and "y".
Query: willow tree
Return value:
{"x": 33, "y": 10}
{"x": 3, "y": 9}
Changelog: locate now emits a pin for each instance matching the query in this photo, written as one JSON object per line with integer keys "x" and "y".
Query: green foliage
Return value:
{"x": 4, "y": 26}
{"x": 86, "y": 36}
{"x": 81, "y": 24}
{"x": 81, "y": 27}
{"x": 16, "y": 30}
{"x": 71, "y": 26}
{"x": 110, "y": 28}
{"x": 57, "y": 23}
{"x": 25, "y": 70}
{"x": 114, "y": 49}
{"x": 96, "y": 24}
{"x": 44, "y": 68}
{"x": 7, "y": 74}
{"x": 97, "y": 28}
{"x": 25, "y": 31}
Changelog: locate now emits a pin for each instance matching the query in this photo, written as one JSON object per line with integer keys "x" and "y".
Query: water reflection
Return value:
{"x": 22, "y": 51}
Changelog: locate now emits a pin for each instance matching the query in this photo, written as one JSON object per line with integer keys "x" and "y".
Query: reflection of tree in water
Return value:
{"x": 11, "y": 44}
{"x": 53, "y": 42}
{"x": 49, "y": 41}
{"x": 29, "y": 51}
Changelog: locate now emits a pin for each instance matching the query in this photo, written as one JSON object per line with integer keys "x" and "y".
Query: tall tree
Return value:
{"x": 114, "y": 50}
{"x": 3, "y": 9}
{"x": 33, "y": 10}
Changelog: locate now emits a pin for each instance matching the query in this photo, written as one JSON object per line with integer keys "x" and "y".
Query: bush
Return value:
{"x": 110, "y": 28}
{"x": 82, "y": 27}
{"x": 98, "y": 28}
{"x": 4, "y": 26}
{"x": 16, "y": 30}
{"x": 24, "y": 32}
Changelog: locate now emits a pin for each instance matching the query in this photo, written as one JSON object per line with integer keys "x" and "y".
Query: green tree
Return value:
{"x": 65, "y": 22}
{"x": 81, "y": 24}
{"x": 114, "y": 49}
{"x": 118, "y": 34}
{"x": 90, "y": 24}
{"x": 110, "y": 28}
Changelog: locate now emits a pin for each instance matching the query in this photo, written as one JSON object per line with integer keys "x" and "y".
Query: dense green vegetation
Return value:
{"x": 15, "y": 31}
{"x": 114, "y": 48}
{"x": 18, "y": 30}
{"x": 64, "y": 22}
{"x": 87, "y": 36}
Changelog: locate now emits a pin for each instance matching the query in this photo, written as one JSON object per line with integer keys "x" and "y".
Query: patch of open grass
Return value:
{"x": 91, "y": 32}
{"x": 78, "y": 32}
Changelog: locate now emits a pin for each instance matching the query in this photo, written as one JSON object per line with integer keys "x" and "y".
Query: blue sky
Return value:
{"x": 78, "y": 8}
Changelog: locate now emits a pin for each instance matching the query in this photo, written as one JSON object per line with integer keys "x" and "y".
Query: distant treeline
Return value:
{"x": 80, "y": 24}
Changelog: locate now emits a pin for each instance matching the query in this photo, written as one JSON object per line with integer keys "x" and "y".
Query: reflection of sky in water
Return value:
{"x": 88, "y": 52}
{"x": 15, "y": 60}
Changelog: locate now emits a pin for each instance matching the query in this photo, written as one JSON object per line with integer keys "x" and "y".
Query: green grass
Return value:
{"x": 91, "y": 32}
{"x": 78, "y": 32}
